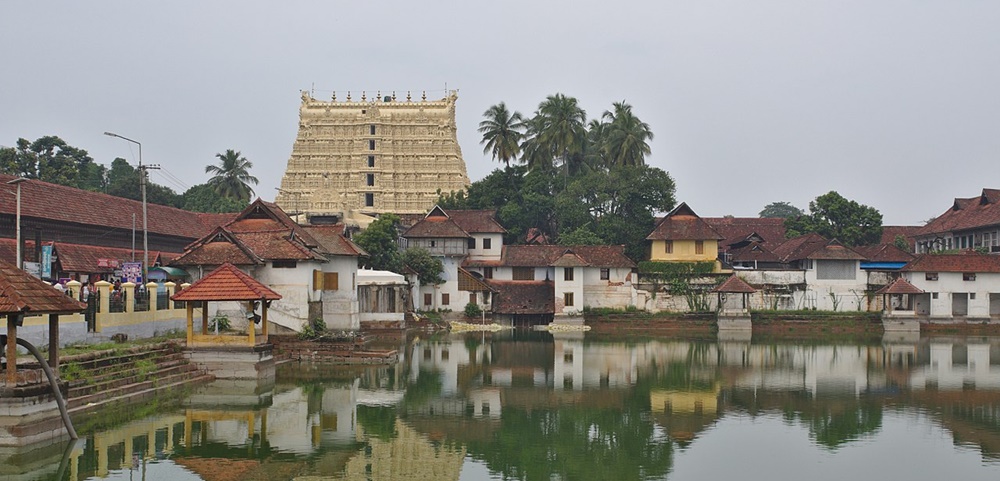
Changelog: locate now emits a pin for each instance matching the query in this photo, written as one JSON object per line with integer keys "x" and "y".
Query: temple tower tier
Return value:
{"x": 375, "y": 156}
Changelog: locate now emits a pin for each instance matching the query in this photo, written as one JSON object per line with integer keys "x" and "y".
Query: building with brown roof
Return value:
{"x": 683, "y": 236}
{"x": 968, "y": 224}
{"x": 313, "y": 268}
{"x": 965, "y": 284}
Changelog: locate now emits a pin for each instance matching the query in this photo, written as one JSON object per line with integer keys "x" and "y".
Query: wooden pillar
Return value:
{"x": 204, "y": 318}
{"x": 54, "y": 341}
{"x": 11, "y": 351}
{"x": 251, "y": 329}
{"x": 263, "y": 319}
{"x": 190, "y": 324}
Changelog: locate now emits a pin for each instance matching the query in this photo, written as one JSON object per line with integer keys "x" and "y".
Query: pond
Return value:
{"x": 536, "y": 406}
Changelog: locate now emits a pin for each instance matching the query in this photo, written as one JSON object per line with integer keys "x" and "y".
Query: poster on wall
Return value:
{"x": 132, "y": 272}
{"x": 46, "y": 262}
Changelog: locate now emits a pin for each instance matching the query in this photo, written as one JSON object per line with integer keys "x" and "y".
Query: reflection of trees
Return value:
{"x": 575, "y": 443}
{"x": 835, "y": 427}
{"x": 378, "y": 421}
{"x": 425, "y": 388}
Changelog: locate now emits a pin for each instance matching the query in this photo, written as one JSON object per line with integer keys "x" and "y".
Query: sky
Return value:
{"x": 894, "y": 104}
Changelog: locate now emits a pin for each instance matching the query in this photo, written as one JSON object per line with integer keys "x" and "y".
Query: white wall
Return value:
{"x": 340, "y": 307}
{"x": 952, "y": 282}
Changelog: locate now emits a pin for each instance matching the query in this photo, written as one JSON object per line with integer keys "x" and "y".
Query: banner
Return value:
{"x": 132, "y": 272}
{"x": 46, "y": 262}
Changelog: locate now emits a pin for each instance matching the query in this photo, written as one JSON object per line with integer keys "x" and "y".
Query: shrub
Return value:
{"x": 472, "y": 310}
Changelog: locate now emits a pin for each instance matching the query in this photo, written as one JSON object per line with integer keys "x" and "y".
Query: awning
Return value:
{"x": 170, "y": 271}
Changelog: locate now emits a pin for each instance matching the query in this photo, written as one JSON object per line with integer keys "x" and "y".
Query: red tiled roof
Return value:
{"x": 900, "y": 286}
{"x": 332, "y": 238}
{"x": 969, "y": 261}
{"x": 439, "y": 223}
{"x": 683, "y": 224}
{"x": 219, "y": 247}
{"x": 523, "y": 297}
{"x": 884, "y": 253}
{"x": 755, "y": 251}
{"x": 889, "y": 233}
{"x": 549, "y": 255}
{"x": 43, "y": 200}
{"x": 734, "y": 285}
{"x": 22, "y": 292}
{"x": 814, "y": 246}
{"x": 965, "y": 214}
{"x": 477, "y": 221}
{"x": 437, "y": 227}
{"x": 83, "y": 258}
{"x": 738, "y": 229}
{"x": 227, "y": 283}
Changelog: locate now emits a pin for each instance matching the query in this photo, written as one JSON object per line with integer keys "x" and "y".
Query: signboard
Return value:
{"x": 46, "y": 262}
{"x": 132, "y": 272}
{"x": 107, "y": 263}
{"x": 33, "y": 268}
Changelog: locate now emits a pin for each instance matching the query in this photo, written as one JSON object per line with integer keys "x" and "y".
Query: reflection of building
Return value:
{"x": 372, "y": 156}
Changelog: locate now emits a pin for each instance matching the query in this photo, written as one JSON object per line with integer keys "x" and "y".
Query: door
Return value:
{"x": 959, "y": 304}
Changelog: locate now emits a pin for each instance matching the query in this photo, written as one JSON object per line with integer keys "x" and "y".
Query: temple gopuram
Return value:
{"x": 354, "y": 159}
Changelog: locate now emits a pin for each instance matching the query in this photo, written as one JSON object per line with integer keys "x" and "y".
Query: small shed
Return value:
{"x": 22, "y": 294}
{"x": 734, "y": 285}
{"x": 898, "y": 296}
{"x": 227, "y": 283}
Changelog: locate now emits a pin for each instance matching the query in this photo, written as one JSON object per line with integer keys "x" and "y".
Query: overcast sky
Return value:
{"x": 894, "y": 104}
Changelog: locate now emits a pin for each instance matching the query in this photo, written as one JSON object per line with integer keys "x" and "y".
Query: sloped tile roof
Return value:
{"x": 523, "y": 297}
{"x": 814, "y": 246}
{"x": 900, "y": 286}
{"x": 437, "y": 227}
{"x": 82, "y": 258}
{"x": 332, "y": 238}
{"x": 683, "y": 224}
{"x": 227, "y": 283}
{"x": 44, "y": 200}
{"x": 738, "y": 229}
{"x": 22, "y": 292}
{"x": 889, "y": 233}
{"x": 969, "y": 261}
{"x": 965, "y": 214}
{"x": 549, "y": 255}
{"x": 477, "y": 221}
{"x": 219, "y": 247}
{"x": 884, "y": 253}
{"x": 734, "y": 285}
{"x": 755, "y": 251}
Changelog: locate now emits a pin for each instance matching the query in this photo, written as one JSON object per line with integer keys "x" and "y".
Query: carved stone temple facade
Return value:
{"x": 355, "y": 158}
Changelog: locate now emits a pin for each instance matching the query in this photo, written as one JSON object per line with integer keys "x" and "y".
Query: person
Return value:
{"x": 85, "y": 292}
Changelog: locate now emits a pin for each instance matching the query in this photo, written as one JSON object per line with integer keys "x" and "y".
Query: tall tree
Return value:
{"x": 559, "y": 129}
{"x": 502, "y": 133}
{"x": 626, "y": 137}
{"x": 231, "y": 178}
{"x": 202, "y": 198}
{"x": 834, "y": 217}
{"x": 780, "y": 209}
{"x": 380, "y": 240}
{"x": 51, "y": 159}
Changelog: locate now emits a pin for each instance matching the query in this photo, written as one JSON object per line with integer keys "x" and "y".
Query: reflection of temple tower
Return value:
{"x": 372, "y": 156}
{"x": 409, "y": 455}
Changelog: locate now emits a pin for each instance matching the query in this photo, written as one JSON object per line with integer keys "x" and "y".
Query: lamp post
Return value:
{"x": 142, "y": 185}
{"x": 19, "y": 260}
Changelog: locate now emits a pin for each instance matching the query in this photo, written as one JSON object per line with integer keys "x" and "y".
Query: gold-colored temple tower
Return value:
{"x": 376, "y": 155}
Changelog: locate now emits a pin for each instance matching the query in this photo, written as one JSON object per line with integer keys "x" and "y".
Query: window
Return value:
{"x": 605, "y": 274}
{"x": 836, "y": 269}
{"x": 567, "y": 273}
{"x": 568, "y": 299}
{"x": 472, "y": 243}
{"x": 669, "y": 247}
{"x": 972, "y": 296}
{"x": 369, "y": 199}
{"x": 968, "y": 276}
{"x": 523, "y": 273}
{"x": 488, "y": 272}
{"x": 371, "y": 129}
{"x": 487, "y": 244}
{"x": 283, "y": 264}
{"x": 931, "y": 276}
{"x": 428, "y": 299}
{"x": 433, "y": 243}
{"x": 699, "y": 247}
{"x": 371, "y": 144}
{"x": 325, "y": 281}
{"x": 371, "y": 161}
{"x": 472, "y": 298}
{"x": 934, "y": 295}
{"x": 370, "y": 179}
{"x": 445, "y": 299}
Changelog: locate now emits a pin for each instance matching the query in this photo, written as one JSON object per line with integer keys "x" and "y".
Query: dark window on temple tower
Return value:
{"x": 371, "y": 161}
{"x": 369, "y": 199}
{"x": 371, "y": 129}
{"x": 370, "y": 179}
{"x": 371, "y": 144}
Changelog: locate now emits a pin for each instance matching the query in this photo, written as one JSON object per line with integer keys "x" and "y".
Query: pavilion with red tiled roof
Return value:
{"x": 901, "y": 291}
{"x": 734, "y": 285}
{"x": 22, "y": 294}
{"x": 227, "y": 283}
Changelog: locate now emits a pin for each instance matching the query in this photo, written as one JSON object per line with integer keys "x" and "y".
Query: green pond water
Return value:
{"x": 522, "y": 405}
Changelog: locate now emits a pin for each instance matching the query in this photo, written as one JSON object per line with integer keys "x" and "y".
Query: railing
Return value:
{"x": 117, "y": 301}
{"x": 141, "y": 300}
{"x": 162, "y": 300}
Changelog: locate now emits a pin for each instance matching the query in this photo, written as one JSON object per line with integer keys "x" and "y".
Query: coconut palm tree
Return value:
{"x": 557, "y": 131}
{"x": 626, "y": 136}
{"x": 231, "y": 178}
{"x": 502, "y": 133}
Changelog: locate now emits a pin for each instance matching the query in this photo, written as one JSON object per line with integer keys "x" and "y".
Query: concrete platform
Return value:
{"x": 234, "y": 362}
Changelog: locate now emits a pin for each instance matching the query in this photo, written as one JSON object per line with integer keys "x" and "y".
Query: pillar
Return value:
{"x": 263, "y": 319}
{"x": 74, "y": 287}
{"x": 204, "y": 317}
{"x": 104, "y": 287}
{"x": 190, "y": 323}
{"x": 251, "y": 328}
{"x": 171, "y": 289}
{"x": 129, "y": 288}
{"x": 152, "y": 289}
{"x": 11, "y": 351}
{"x": 54, "y": 341}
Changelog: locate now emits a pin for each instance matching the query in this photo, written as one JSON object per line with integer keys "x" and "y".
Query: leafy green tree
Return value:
{"x": 502, "y": 133}
{"x": 581, "y": 236}
{"x": 834, "y": 217}
{"x": 231, "y": 178}
{"x": 202, "y": 198}
{"x": 558, "y": 131}
{"x": 900, "y": 242}
{"x": 123, "y": 181}
{"x": 781, "y": 209}
{"x": 380, "y": 240}
{"x": 427, "y": 267}
{"x": 626, "y": 137}
{"x": 51, "y": 159}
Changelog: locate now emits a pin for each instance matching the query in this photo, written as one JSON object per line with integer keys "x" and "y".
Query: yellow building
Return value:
{"x": 372, "y": 155}
{"x": 682, "y": 236}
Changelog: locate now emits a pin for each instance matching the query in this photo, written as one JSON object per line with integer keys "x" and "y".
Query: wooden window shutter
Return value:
{"x": 317, "y": 280}
{"x": 331, "y": 281}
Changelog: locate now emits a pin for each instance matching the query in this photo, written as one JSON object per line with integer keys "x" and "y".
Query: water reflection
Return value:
{"x": 529, "y": 405}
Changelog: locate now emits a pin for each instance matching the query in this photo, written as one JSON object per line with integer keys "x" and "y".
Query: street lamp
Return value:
{"x": 19, "y": 260}
{"x": 142, "y": 185}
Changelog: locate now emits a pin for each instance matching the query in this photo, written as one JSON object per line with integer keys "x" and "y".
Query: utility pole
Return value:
{"x": 142, "y": 184}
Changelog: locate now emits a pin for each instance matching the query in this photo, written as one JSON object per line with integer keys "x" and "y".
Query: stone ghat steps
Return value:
{"x": 124, "y": 381}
